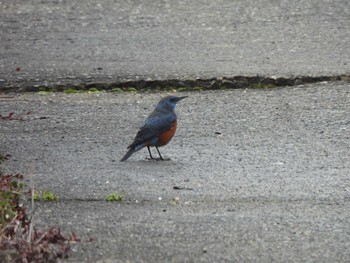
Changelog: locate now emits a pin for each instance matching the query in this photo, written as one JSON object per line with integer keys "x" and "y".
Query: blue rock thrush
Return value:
{"x": 158, "y": 128}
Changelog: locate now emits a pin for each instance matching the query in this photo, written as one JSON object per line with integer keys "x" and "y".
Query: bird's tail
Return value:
{"x": 128, "y": 154}
{"x": 132, "y": 149}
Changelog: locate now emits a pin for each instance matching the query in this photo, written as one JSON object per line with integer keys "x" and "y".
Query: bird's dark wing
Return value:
{"x": 155, "y": 124}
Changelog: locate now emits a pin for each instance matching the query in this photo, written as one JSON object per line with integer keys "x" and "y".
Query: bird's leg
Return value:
{"x": 150, "y": 154}
{"x": 160, "y": 156}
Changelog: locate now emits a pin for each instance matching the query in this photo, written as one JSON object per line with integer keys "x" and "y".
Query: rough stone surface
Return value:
{"x": 59, "y": 42}
{"x": 263, "y": 174}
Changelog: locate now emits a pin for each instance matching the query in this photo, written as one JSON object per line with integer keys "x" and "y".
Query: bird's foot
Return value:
{"x": 158, "y": 159}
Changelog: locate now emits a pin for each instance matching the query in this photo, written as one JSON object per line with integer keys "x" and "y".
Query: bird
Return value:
{"x": 158, "y": 128}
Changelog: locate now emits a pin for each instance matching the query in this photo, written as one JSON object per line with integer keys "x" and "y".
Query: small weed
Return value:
{"x": 46, "y": 196}
{"x": 114, "y": 197}
{"x": 10, "y": 193}
{"x": 20, "y": 240}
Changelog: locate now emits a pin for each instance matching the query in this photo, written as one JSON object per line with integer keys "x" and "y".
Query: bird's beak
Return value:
{"x": 180, "y": 98}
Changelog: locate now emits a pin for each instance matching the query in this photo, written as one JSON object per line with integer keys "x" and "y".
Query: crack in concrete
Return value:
{"x": 235, "y": 82}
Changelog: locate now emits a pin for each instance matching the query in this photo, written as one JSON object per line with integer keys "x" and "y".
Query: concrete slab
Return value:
{"x": 60, "y": 42}
{"x": 263, "y": 173}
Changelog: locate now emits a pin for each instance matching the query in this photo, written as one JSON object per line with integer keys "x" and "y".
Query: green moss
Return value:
{"x": 130, "y": 90}
{"x": 116, "y": 90}
{"x": 42, "y": 88}
{"x": 170, "y": 89}
{"x": 46, "y": 196}
{"x": 196, "y": 89}
{"x": 70, "y": 91}
{"x": 93, "y": 89}
{"x": 36, "y": 196}
{"x": 44, "y": 92}
{"x": 182, "y": 89}
{"x": 114, "y": 197}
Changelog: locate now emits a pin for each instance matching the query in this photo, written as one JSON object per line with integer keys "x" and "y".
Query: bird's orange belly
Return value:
{"x": 165, "y": 137}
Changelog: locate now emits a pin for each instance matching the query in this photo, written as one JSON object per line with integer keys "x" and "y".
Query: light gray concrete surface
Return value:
{"x": 272, "y": 186}
{"x": 59, "y": 42}
{"x": 264, "y": 174}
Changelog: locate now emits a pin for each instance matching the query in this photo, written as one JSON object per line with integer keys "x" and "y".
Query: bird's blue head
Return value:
{"x": 168, "y": 103}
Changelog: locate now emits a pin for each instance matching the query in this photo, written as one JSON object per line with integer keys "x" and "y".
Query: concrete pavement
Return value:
{"x": 58, "y": 42}
{"x": 256, "y": 175}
